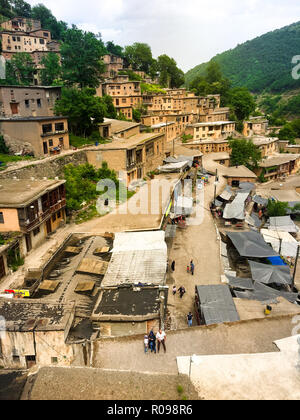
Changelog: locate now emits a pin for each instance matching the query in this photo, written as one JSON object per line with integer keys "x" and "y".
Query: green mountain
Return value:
{"x": 265, "y": 63}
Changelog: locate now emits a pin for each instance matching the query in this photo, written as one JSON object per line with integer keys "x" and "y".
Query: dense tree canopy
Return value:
{"x": 169, "y": 74}
{"x": 112, "y": 48}
{"x": 19, "y": 70}
{"x": 81, "y": 55}
{"x": 84, "y": 110}
{"x": 259, "y": 64}
{"x": 244, "y": 152}
{"x": 139, "y": 56}
{"x": 51, "y": 71}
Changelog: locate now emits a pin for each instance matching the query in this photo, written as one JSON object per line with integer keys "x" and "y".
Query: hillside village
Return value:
{"x": 85, "y": 294}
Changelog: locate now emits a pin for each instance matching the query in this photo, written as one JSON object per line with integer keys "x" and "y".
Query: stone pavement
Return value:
{"x": 255, "y": 336}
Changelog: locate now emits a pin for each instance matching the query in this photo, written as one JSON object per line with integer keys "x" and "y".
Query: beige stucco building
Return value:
{"x": 42, "y": 136}
{"x": 211, "y": 130}
{"x": 28, "y": 101}
{"x": 136, "y": 155}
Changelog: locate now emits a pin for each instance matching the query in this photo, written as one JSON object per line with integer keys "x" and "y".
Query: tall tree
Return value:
{"x": 169, "y": 74}
{"x": 21, "y": 8}
{"x": 48, "y": 21}
{"x": 84, "y": 110}
{"x": 139, "y": 56}
{"x": 244, "y": 152}
{"x": 242, "y": 103}
{"x": 81, "y": 58}
{"x": 112, "y": 48}
{"x": 20, "y": 69}
{"x": 51, "y": 70}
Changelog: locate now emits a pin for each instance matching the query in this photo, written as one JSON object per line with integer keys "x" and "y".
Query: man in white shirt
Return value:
{"x": 161, "y": 339}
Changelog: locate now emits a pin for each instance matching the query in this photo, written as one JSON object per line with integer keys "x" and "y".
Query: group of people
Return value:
{"x": 181, "y": 291}
{"x": 153, "y": 342}
{"x": 190, "y": 267}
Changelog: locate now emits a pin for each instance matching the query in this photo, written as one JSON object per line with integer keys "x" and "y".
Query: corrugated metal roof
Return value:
{"x": 217, "y": 305}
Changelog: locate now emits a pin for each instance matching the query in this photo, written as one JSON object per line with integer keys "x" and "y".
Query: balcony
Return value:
{"x": 27, "y": 226}
{"x": 130, "y": 166}
{"x": 54, "y": 133}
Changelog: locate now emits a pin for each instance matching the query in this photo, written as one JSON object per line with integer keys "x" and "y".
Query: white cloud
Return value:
{"x": 191, "y": 31}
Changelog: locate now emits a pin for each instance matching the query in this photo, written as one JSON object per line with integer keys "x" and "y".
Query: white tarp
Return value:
{"x": 139, "y": 241}
{"x": 174, "y": 167}
{"x": 183, "y": 205}
{"x": 283, "y": 224}
{"x": 288, "y": 243}
{"x": 236, "y": 209}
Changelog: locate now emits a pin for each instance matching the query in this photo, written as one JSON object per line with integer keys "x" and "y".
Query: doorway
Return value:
{"x": 45, "y": 147}
{"x": 28, "y": 242}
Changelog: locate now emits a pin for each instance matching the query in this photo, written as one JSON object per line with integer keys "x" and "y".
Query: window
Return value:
{"x": 39, "y": 103}
{"x": 42, "y": 41}
{"x": 47, "y": 128}
{"x": 27, "y": 103}
{"x": 54, "y": 360}
{"x": 36, "y": 231}
{"x": 46, "y": 34}
{"x": 53, "y": 218}
{"x": 1, "y": 217}
{"x": 58, "y": 214}
{"x": 50, "y": 142}
{"x": 59, "y": 126}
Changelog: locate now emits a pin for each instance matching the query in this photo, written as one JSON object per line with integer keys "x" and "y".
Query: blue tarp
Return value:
{"x": 276, "y": 261}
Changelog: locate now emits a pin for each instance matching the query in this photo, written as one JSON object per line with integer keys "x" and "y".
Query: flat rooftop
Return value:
{"x": 239, "y": 172}
{"x": 127, "y": 303}
{"x": 22, "y": 315}
{"x": 131, "y": 142}
{"x": 20, "y": 193}
{"x": 278, "y": 160}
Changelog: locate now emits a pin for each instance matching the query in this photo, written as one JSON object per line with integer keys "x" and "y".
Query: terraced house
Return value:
{"x": 33, "y": 208}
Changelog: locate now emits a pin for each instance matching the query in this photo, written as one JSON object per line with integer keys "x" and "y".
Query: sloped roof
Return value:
{"x": 217, "y": 305}
{"x": 251, "y": 244}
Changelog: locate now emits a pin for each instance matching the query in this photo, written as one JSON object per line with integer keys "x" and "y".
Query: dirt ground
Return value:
{"x": 97, "y": 384}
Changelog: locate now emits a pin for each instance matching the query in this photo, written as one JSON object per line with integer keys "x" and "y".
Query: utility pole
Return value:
{"x": 216, "y": 181}
{"x": 296, "y": 262}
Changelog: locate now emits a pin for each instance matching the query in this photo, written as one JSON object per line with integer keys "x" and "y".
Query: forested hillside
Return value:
{"x": 265, "y": 63}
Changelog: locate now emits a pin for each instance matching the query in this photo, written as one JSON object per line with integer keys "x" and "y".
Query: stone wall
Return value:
{"x": 49, "y": 168}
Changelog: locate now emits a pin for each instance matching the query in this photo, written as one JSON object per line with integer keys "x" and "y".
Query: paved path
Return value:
{"x": 239, "y": 338}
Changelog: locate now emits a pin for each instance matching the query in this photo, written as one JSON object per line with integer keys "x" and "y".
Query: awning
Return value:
{"x": 265, "y": 294}
{"x": 251, "y": 244}
{"x": 238, "y": 283}
{"x": 183, "y": 206}
{"x": 246, "y": 186}
{"x": 260, "y": 200}
{"x": 281, "y": 242}
{"x": 283, "y": 224}
{"x": 270, "y": 274}
{"x": 174, "y": 167}
{"x": 226, "y": 195}
{"x": 236, "y": 209}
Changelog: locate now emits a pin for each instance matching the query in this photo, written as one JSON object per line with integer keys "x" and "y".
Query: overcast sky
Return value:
{"x": 190, "y": 31}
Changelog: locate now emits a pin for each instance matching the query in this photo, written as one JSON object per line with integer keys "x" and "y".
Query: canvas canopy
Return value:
{"x": 260, "y": 200}
{"x": 282, "y": 241}
{"x": 238, "y": 283}
{"x": 270, "y": 274}
{"x": 174, "y": 167}
{"x": 265, "y": 294}
{"x": 183, "y": 206}
{"x": 236, "y": 209}
{"x": 283, "y": 224}
{"x": 246, "y": 187}
{"x": 216, "y": 304}
{"x": 251, "y": 244}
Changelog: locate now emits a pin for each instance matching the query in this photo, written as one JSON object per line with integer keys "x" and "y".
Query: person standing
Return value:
{"x": 181, "y": 291}
{"x": 174, "y": 290}
{"x": 146, "y": 343}
{"x": 161, "y": 339}
{"x": 152, "y": 342}
{"x": 173, "y": 266}
{"x": 190, "y": 319}
{"x": 192, "y": 267}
